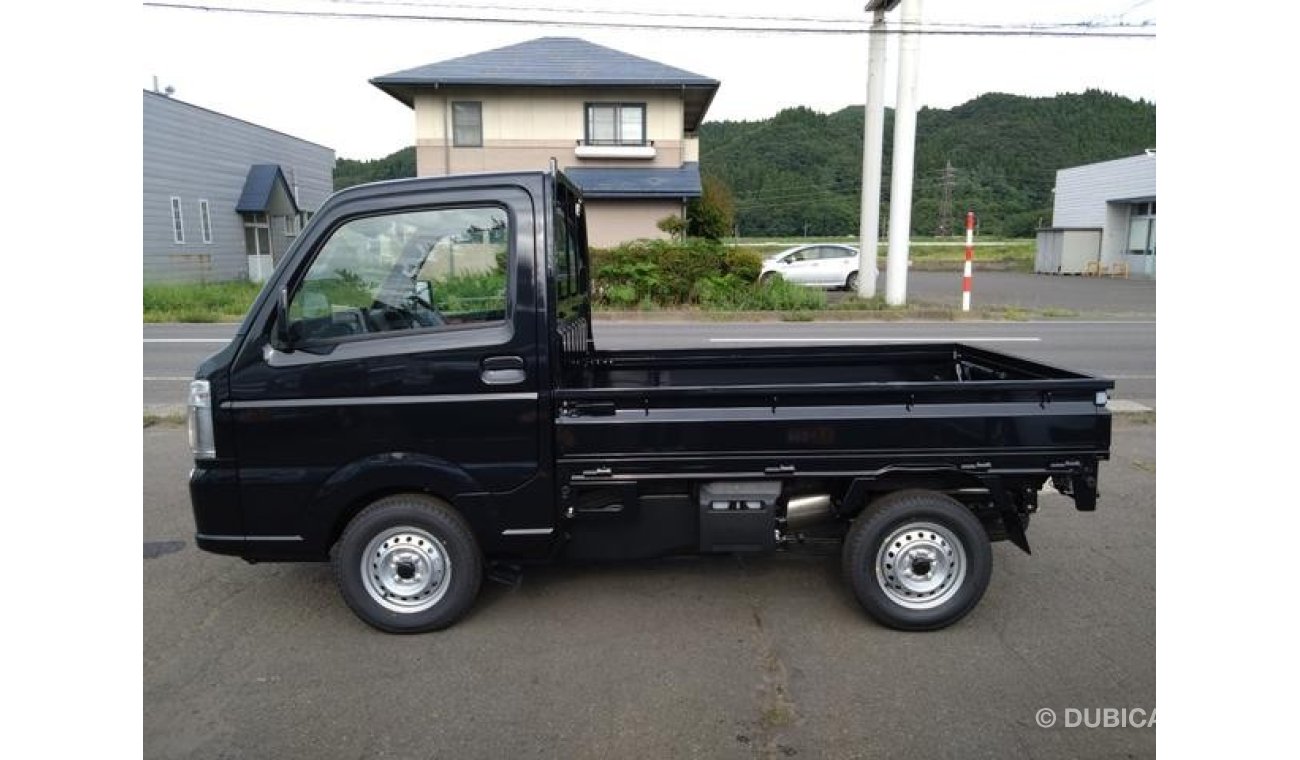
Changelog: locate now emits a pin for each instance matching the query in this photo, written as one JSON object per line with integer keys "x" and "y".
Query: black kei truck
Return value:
{"x": 416, "y": 397}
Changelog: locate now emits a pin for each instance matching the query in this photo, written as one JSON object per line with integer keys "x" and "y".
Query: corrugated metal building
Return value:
{"x": 223, "y": 198}
{"x": 1103, "y": 213}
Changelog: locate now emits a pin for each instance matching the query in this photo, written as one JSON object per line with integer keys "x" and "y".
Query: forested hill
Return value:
{"x": 801, "y": 171}
{"x": 348, "y": 172}
{"x": 802, "y": 168}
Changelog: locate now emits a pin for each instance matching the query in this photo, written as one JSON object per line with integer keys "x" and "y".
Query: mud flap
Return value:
{"x": 1015, "y": 530}
{"x": 1012, "y": 516}
{"x": 1082, "y": 488}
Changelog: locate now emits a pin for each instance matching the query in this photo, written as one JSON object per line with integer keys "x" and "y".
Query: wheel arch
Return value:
{"x": 863, "y": 491}
{"x": 360, "y": 483}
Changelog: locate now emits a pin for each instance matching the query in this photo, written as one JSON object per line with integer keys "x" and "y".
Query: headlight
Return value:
{"x": 202, "y": 443}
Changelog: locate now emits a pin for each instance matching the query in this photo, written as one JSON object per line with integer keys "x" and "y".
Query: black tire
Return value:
{"x": 418, "y": 533}
{"x": 851, "y": 284}
{"x": 769, "y": 278}
{"x": 938, "y": 538}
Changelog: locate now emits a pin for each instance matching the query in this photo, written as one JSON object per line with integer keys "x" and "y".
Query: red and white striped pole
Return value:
{"x": 970, "y": 254}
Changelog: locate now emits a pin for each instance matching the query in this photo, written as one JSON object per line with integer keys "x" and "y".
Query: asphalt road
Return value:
{"x": 1095, "y": 296}
{"x": 1123, "y": 349}
{"x": 693, "y": 657}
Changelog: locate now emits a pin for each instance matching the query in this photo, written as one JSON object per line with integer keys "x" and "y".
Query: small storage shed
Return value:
{"x": 1068, "y": 250}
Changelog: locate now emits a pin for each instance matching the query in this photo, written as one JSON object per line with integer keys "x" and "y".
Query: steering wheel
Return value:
{"x": 425, "y": 313}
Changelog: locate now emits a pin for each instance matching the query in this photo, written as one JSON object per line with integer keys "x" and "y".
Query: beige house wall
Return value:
{"x": 610, "y": 222}
{"x": 524, "y": 128}
{"x": 691, "y": 149}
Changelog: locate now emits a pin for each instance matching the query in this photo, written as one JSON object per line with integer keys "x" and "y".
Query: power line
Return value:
{"x": 727, "y": 16}
{"x": 599, "y": 11}
{"x": 796, "y": 192}
{"x": 812, "y": 197}
{"x": 348, "y": 15}
{"x": 786, "y": 192}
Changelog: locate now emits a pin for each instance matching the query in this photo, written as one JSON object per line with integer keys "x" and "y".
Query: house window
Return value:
{"x": 616, "y": 124}
{"x": 467, "y": 124}
{"x": 178, "y": 221}
{"x": 292, "y": 225}
{"x": 205, "y": 220}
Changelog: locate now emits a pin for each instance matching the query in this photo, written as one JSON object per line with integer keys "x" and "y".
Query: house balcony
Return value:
{"x": 607, "y": 150}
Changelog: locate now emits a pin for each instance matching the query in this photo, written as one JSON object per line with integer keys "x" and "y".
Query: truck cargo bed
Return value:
{"x": 831, "y": 410}
{"x": 847, "y": 367}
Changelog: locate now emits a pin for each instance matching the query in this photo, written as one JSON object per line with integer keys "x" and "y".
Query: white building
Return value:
{"x": 1103, "y": 213}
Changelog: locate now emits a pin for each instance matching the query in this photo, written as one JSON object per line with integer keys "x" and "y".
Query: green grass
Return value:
{"x": 199, "y": 302}
{"x": 776, "y": 295}
{"x": 956, "y": 242}
{"x": 1009, "y": 313}
{"x": 941, "y": 255}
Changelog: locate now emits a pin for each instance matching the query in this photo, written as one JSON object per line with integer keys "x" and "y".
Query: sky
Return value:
{"x": 309, "y": 76}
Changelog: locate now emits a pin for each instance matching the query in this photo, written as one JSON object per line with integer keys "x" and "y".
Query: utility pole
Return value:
{"x": 900, "y": 191}
{"x": 873, "y": 142}
{"x": 948, "y": 179}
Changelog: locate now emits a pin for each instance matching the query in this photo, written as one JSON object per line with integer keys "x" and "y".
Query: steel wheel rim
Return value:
{"x": 921, "y": 565}
{"x": 406, "y": 569}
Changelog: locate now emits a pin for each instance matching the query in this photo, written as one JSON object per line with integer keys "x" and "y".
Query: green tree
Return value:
{"x": 800, "y": 167}
{"x": 673, "y": 225}
{"x": 348, "y": 172}
{"x": 712, "y": 215}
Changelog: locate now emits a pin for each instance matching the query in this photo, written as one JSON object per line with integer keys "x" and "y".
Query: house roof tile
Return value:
{"x": 554, "y": 62}
{"x": 613, "y": 182}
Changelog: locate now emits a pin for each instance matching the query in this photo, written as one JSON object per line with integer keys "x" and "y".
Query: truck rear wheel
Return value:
{"x": 917, "y": 560}
{"x": 408, "y": 564}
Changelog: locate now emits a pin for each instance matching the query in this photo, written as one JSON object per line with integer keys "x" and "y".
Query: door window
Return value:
{"x": 417, "y": 270}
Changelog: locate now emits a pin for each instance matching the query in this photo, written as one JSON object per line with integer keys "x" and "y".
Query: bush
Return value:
{"x": 658, "y": 273}
{"x": 479, "y": 292}
{"x": 665, "y": 272}
{"x": 730, "y": 294}
{"x": 745, "y": 264}
{"x": 673, "y": 225}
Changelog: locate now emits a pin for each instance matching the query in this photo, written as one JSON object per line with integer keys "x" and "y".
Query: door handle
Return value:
{"x": 503, "y": 370}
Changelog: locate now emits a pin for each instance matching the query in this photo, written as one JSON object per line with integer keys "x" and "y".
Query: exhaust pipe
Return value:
{"x": 805, "y": 511}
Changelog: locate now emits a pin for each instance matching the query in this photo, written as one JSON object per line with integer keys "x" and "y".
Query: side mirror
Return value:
{"x": 280, "y": 339}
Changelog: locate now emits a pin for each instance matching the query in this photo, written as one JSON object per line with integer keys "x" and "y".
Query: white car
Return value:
{"x": 822, "y": 265}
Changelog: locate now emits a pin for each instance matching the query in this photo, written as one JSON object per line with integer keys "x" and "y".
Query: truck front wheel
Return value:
{"x": 408, "y": 564}
{"x": 917, "y": 560}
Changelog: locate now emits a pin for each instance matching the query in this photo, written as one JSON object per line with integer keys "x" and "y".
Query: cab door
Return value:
{"x": 411, "y": 359}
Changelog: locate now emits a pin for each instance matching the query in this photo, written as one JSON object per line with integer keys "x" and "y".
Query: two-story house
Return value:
{"x": 623, "y": 128}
